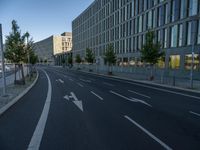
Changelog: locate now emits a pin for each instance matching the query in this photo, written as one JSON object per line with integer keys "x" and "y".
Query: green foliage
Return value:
{"x": 15, "y": 50}
{"x": 110, "y": 56}
{"x": 150, "y": 52}
{"x": 63, "y": 61}
{"x": 70, "y": 60}
{"x": 78, "y": 59}
{"x": 89, "y": 56}
{"x": 33, "y": 58}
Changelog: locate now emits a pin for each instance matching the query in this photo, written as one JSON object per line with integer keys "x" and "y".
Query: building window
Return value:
{"x": 165, "y": 38}
{"x": 154, "y": 18}
{"x": 166, "y": 12}
{"x": 159, "y": 16}
{"x": 174, "y": 31}
{"x": 149, "y": 19}
{"x": 158, "y": 36}
{"x": 188, "y": 61}
{"x": 189, "y": 32}
{"x": 172, "y": 10}
{"x": 183, "y": 9}
{"x": 193, "y": 7}
{"x": 174, "y": 61}
{"x": 180, "y": 39}
{"x": 140, "y": 23}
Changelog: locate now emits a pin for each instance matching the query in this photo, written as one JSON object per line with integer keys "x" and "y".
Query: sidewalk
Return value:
{"x": 10, "y": 79}
{"x": 15, "y": 92}
{"x": 165, "y": 80}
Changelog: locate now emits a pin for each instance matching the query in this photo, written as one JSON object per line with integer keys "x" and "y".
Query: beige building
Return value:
{"x": 54, "y": 45}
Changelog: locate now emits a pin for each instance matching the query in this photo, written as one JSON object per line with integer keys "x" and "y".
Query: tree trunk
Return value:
{"x": 152, "y": 77}
{"x": 15, "y": 75}
{"x": 22, "y": 71}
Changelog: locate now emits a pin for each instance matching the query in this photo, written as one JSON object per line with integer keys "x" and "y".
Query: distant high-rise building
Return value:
{"x": 54, "y": 45}
{"x": 124, "y": 23}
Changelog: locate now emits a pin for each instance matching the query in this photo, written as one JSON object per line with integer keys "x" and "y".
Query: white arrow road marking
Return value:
{"x": 96, "y": 95}
{"x": 77, "y": 102}
{"x": 141, "y": 101}
{"x": 194, "y": 113}
{"x": 66, "y": 97}
{"x": 149, "y": 133}
{"x": 139, "y": 94}
{"x": 130, "y": 99}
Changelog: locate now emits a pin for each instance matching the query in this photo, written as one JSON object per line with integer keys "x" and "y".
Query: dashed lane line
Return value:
{"x": 139, "y": 94}
{"x": 165, "y": 146}
{"x": 194, "y": 113}
{"x": 96, "y": 95}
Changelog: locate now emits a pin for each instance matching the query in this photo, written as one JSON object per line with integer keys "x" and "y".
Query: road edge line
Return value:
{"x": 16, "y": 99}
{"x": 40, "y": 127}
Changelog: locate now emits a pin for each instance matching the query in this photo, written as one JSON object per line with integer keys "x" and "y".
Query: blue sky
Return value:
{"x": 41, "y": 18}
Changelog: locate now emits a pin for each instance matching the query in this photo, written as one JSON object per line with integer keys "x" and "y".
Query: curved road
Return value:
{"x": 71, "y": 110}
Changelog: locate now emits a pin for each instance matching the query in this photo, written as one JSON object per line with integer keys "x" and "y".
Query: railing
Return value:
{"x": 163, "y": 76}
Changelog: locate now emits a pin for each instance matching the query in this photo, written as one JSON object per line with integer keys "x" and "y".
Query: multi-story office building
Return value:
{"x": 54, "y": 45}
{"x": 124, "y": 23}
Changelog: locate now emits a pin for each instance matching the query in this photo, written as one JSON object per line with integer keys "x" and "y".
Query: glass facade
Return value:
{"x": 124, "y": 24}
{"x": 193, "y": 5}
{"x": 174, "y": 33}
{"x": 174, "y": 61}
{"x": 188, "y": 61}
{"x": 189, "y": 33}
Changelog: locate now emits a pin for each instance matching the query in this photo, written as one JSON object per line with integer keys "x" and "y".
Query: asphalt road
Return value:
{"x": 71, "y": 110}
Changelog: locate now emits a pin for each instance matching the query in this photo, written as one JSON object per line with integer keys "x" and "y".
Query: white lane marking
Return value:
{"x": 61, "y": 81}
{"x": 131, "y": 99}
{"x": 149, "y": 133}
{"x": 109, "y": 84}
{"x": 39, "y": 130}
{"x": 139, "y": 94}
{"x": 141, "y": 101}
{"x": 164, "y": 90}
{"x": 80, "y": 84}
{"x": 71, "y": 79}
{"x": 147, "y": 86}
{"x": 96, "y": 95}
{"x": 88, "y": 81}
{"x": 194, "y": 113}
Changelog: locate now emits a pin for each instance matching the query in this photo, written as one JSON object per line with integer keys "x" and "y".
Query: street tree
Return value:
{"x": 89, "y": 57}
{"x": 151, "y": 52}
{"x": 15, "y": 50}
{"x": 70, "y": 60}
{"x": 78, "y": 60}
{"x": 110, "y": 57}
{"x": 63, "y": 61}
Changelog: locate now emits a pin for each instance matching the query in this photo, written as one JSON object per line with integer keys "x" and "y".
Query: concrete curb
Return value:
{"x": 144, "y": 82}
{"x": 15, "y": 100}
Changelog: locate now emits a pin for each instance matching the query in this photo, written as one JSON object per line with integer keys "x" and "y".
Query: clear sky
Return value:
{"x": 41, "y": 18}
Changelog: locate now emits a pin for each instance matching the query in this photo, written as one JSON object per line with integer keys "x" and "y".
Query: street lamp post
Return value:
{"x": 2, "y": 62}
